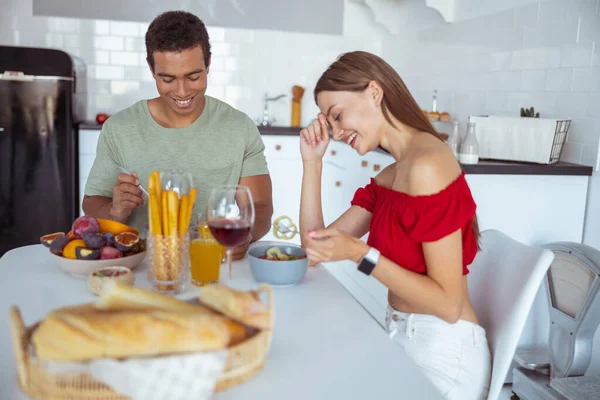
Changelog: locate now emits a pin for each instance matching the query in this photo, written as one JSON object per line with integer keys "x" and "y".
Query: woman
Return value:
{"x": 420, "y": 215}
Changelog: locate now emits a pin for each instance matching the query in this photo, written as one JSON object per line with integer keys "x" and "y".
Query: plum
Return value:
{"x": 110, "y": 239}
{"x": 47, "y": 240}
{"x": 87, "y": 254}
{"x": 85, "y": 224}
{"x": 58, "y": 244}
{"x": 109, "y": 253}
{"x": 126, "y": 241}
{"x": 95, "y": 240}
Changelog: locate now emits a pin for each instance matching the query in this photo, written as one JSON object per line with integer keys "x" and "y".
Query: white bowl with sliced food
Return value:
{"x": 279, "y": 264}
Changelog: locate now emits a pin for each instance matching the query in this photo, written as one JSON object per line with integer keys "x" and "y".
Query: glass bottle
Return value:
{"x": 469, "y": 148}
{"x": 454, "y": 139}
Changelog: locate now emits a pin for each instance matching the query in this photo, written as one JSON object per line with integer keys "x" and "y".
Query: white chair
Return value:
{"x": 503, "y": 282}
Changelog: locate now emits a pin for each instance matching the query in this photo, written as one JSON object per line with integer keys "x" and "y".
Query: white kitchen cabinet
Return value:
{"x": 285, "y": 167}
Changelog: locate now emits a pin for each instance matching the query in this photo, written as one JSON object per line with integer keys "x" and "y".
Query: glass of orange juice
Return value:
{"x": 206, "y": 254}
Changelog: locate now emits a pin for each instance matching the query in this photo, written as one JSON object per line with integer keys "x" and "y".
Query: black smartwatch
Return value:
{"x": 369, "y": 261}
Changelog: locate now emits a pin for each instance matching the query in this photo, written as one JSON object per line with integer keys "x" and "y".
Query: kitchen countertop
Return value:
{"x": 484, "y": 167}
{"x": 325, "y": 345}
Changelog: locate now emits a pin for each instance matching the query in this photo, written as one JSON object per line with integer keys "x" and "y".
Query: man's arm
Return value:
{"x": 262, "y": 194}
{"x": 260, "y": 187}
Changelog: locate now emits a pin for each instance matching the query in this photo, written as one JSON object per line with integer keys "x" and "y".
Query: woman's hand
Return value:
{"x": 331, "y": 244}
{"x": 314, "y": 139}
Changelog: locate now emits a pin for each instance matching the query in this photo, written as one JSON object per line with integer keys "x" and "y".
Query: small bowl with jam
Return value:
{"x": 98, "y": 278}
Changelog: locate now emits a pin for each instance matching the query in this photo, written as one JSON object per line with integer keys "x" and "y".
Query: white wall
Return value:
{"x": 541, "y": 53}
{"x": 246, "y": 63}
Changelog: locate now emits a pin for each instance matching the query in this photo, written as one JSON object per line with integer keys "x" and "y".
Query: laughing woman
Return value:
{"x": 419, "y": 213}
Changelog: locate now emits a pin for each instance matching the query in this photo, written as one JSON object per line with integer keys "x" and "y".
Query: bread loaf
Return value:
{"x": 84, "y": 332}
{"x": 245, "y": 307}
{"x": 117, "y": 296}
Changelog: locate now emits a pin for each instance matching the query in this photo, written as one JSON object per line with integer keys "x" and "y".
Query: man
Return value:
{"x": 182, "y": 129}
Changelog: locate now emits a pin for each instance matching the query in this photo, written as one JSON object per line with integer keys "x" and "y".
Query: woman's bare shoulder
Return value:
{"x": 432, "y": 170}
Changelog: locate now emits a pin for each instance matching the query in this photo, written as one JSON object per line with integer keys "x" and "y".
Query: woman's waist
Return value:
{"x": 403, "y": 309}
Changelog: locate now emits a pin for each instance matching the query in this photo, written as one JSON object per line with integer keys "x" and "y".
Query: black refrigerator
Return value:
{"x": 40, "y": 105}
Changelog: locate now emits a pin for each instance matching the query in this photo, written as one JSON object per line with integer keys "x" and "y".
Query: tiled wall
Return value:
{"x": 545, "y": 54}
{"x": 245, "y": 64}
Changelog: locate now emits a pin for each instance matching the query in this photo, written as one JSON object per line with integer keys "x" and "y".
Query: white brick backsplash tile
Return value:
{"x": 124, "y": 87}
{"x": 521, "y": 99}
{"x": 216, "y": 34}
{"x": 108, "y": 43}
{"x": 143, "y": 28}
{"x": 217, "y": 63}
{"x": 584, "y": 131}
{"x": 219, "y": 78}
{"x": 533, "y": 80}
{"x": 536, "y": 58}
{"x": 575, "y": 56}
{"x": 118, "y": 28}
{"x": 546, "y": 104}
{"x": 220, "y": 49}
{"x": 135, "y": 44}
{"x": 244, "y": 35}
{"x": 109, "y": 72}
{"x": 231, "y": 64}
{"x": 102, "y": 57}
{"x": 216, "y": 91}
{"x": 589, "y": 154}
{"x": 124, "y": 58}
{"x": 233, "y": 92}
{"x": 32, "y": 37}
{"x": 593, "y": 109}
{"x": 559, "y": 79}
{"x": 505, "y": 81}
{"x": 135, "y": 73}
{"x": 571, "y": 152}
{"x": 571, "y": 105}
{"x": 586, "y": 79}
{"x": 496, "y": 103}
{"x": 556, "y": 12}
{"x": 73, "y": 40}
{"x": 102, "y": 28}
{"x": 64, "y": 25}
{"x": 527, "y": 15}
{"x": 55, "y": 40}
{"x": 548, "y": 34}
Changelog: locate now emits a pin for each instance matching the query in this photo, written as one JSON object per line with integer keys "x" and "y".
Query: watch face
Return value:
{"x": 366, "y": 266}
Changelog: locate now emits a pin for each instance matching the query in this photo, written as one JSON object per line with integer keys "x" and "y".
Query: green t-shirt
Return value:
{"x": 220, "y": 147}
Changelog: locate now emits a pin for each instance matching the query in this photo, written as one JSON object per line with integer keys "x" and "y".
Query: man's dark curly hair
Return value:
{"x": 175, "y": 31}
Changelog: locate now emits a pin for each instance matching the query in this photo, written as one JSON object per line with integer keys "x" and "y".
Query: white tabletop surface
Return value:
{"x": 325, "y": 345}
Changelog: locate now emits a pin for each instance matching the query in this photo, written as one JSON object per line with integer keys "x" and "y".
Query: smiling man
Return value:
{"x": 182, "y": 129}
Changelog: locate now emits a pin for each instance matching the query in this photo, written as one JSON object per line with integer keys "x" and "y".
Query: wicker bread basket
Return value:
{"x": 244, "y": 361}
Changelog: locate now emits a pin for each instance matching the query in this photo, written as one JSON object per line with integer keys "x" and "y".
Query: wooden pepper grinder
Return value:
{"x": 297, "y": 93}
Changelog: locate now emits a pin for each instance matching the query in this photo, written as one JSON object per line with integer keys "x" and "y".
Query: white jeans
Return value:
{"x": 454, "y": 357}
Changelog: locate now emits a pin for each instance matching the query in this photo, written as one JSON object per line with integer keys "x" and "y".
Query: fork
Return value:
{"x": 284, "y": 228}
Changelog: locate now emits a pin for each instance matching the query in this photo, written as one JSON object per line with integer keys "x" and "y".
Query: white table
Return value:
{"x": 325, "y": 345}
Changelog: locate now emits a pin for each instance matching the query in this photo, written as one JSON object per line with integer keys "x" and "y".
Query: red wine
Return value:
{"x": 230, "y": 233}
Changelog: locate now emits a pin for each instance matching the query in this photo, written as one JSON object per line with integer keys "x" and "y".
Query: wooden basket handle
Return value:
{"x": 266, "y": 288}
{"x": 20, "y": 343}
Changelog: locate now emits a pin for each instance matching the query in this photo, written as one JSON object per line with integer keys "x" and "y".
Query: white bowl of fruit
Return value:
{"x": 93, "y": 244}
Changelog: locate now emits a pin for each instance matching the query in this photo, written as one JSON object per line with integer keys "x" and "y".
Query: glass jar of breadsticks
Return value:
{"x": 170, "y": 205}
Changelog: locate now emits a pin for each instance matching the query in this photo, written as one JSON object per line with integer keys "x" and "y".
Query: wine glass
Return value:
{"x": 230, "y": 215}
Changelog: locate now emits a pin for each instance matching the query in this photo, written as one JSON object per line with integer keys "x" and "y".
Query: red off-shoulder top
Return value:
{"x": 401, "y": 222}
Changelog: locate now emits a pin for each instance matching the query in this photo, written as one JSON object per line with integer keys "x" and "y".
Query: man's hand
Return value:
{"x": 126, "y": 196}
{"x": 237, "y": 253}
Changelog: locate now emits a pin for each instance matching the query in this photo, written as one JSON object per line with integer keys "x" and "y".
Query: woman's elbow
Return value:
{"x": 451, "y": 312}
